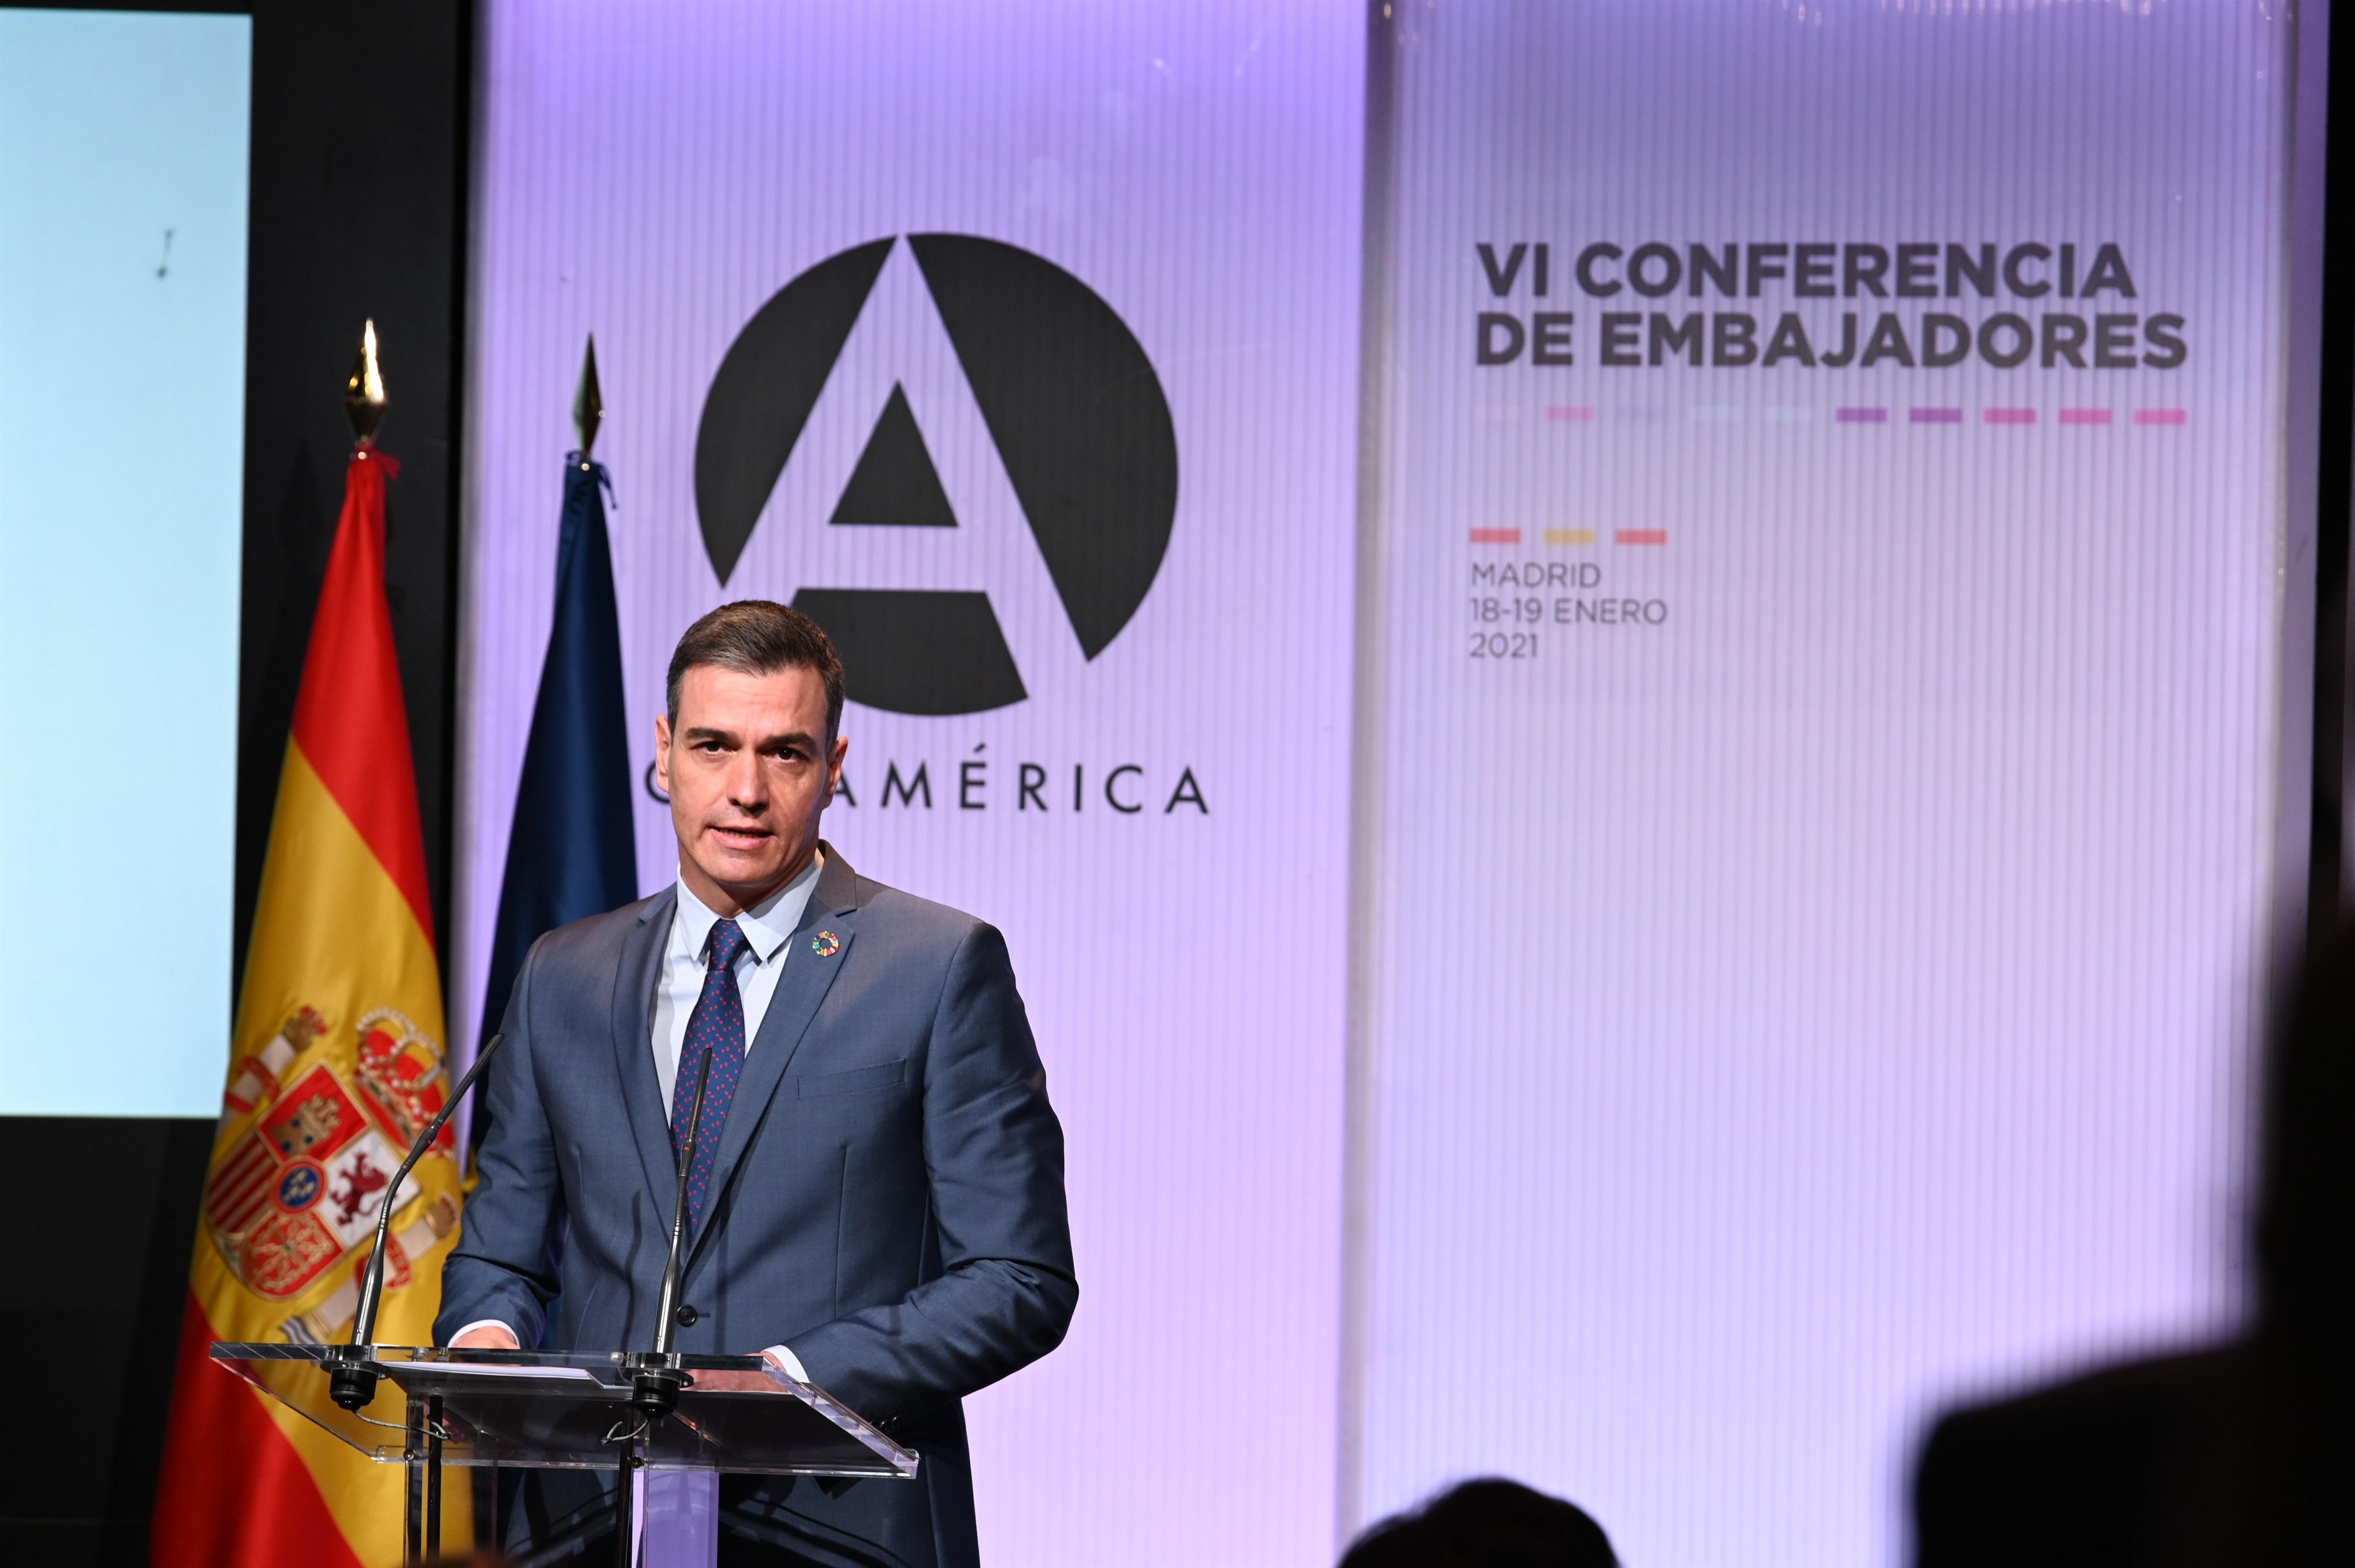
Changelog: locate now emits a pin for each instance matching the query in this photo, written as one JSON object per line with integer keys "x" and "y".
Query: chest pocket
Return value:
{"x": 882, "y": 1076}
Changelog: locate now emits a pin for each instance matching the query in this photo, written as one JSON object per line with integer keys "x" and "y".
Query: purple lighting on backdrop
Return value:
{"x": 656, "y": 173}
{"x": 1850, "y": 960}
{"x": 1773, "y": 1016}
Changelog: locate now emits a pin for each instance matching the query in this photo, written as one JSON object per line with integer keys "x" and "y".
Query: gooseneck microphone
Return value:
{"x": 351, "y": 1384}
{"x": 654, "y": 1379}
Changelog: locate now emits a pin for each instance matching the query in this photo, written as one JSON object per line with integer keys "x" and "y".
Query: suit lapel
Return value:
{"x": 809, "y": 972}
{"x": 633, "y": 1056}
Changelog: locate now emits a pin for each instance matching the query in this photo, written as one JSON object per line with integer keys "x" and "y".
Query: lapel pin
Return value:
{"x": 825, "y": 944}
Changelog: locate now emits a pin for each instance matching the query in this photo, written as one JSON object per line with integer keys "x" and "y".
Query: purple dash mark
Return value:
{"x": 1495, "y": 536}
{"x": 1862, "y": 416}
{"x": 1937, "y": 416}
{"x": 2160, "y": 416}
{"x": 2011, "y": 416}
{"x": 2084, "y": 416}
{"x": 1640, "y": 535}
{"x": 1571, "y": 413}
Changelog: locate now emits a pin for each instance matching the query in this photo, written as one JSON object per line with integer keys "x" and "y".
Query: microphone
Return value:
{"x": 351, "y": 1384}
{"x": 654, "y": 1383}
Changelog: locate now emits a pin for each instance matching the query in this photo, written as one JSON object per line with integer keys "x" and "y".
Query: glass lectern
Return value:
{"x": 553, "y": 1410}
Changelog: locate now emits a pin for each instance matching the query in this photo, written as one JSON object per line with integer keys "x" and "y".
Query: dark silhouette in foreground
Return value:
{"x": 1488, "y": 1524}
{"x": 2232, "y": 1453}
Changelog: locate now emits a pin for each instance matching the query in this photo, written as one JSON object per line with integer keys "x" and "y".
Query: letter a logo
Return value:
{"x": 967, "y": 461}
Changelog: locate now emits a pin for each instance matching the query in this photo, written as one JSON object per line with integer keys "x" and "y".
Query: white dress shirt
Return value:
{"x": 678, "y": 985}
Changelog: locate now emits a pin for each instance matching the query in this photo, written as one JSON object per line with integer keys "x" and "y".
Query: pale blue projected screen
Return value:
{"x": 122, "y": 276}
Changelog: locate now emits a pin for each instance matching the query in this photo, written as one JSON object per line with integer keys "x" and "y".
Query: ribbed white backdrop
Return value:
{"x": 1828, "y": 1001}
{"x": 653, "y": 172}
{"x": 1834, "y": 999}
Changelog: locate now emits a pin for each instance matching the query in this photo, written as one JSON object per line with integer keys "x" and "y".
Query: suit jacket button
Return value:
{"x": 686, "y": 1316}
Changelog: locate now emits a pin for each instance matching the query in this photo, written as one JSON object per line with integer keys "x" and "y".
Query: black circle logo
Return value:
{"x": 1071, "y": 402}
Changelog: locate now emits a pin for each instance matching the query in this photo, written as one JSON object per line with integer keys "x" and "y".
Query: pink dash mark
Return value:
{"x": 2160, "y": 416}
{"x": 1495, "y": 536}
{"x": 2010, "y": 416}
{"x": 1640, "y": 535}
{"x": 1937, "y": 416}
{"x": 1862, "y": 416}
{"x": 1571, "y": 413}
{"x": 2084, "y": 416}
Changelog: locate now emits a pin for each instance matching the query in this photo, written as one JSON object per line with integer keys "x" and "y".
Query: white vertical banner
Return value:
{"x": 1018, "y": 344}
{"x": 124, "y": 145}
{"x": 1831, "y": 534}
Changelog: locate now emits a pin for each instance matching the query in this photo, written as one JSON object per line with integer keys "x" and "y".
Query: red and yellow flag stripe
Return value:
{"x": 336, "y": 1061}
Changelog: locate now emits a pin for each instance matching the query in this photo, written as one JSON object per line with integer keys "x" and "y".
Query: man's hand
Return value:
{"x": 489, "y": 1337}
{"x": 777, "y": 1357}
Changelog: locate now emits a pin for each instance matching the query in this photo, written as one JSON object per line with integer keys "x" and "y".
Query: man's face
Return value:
{"x": 748, "y": 772}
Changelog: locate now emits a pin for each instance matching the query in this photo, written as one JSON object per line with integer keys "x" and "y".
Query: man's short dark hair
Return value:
{"x": 759, "y": 636}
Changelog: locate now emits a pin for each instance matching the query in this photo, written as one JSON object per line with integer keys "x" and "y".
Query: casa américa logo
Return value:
{"x": 820, "y": 459}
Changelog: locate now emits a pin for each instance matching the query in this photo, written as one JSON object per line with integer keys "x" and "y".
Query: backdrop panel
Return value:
{"x": 1827, "y": 668}
{"x": 1093, "y": 270}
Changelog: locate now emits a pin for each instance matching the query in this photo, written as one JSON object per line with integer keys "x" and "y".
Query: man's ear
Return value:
{"x": 661, "y": 752}
{"x": 834, "y": 767}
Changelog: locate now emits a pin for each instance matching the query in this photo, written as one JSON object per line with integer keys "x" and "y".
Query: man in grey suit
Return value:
{"x": 877, "y": 1200}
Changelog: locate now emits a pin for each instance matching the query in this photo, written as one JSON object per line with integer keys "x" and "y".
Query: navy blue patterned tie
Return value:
{"x": 714, "y": 1029}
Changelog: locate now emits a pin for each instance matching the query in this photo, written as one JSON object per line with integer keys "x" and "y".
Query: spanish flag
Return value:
{"x": 336, "y": 1066}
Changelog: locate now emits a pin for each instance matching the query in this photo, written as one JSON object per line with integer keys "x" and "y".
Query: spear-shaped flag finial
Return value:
{"x": 363, "y": 398}
{"x": 588, "y": 406}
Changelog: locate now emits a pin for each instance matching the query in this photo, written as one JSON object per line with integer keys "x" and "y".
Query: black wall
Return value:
{"x": 358, "y": 201}
{"x": 358, "y": 209}
{"x": 2330, "y": 884}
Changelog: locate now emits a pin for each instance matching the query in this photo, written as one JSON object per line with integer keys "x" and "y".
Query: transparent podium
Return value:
{"x": 550, "y": 1410}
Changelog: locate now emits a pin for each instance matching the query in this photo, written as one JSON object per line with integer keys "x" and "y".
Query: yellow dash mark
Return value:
{"x": 1570, "y": 535}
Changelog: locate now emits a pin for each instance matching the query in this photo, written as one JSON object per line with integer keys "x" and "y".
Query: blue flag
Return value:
{"x": 573, "y": 853}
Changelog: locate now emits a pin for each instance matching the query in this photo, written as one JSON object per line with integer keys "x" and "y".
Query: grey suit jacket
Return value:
{"x": 888, "y": 1196}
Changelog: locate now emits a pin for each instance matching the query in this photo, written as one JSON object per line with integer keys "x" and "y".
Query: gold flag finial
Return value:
{"x": 588, "y": 406}
{"x": 364, "y": 398}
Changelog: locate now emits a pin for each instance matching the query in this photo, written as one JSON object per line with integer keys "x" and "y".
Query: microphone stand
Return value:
{"x": 350, "y": 1382}
{"x": 656, "y": 1376}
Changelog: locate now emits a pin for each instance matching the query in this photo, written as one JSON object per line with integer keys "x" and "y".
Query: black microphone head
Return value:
{"x": 352, "y": 1386}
